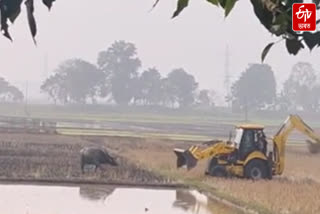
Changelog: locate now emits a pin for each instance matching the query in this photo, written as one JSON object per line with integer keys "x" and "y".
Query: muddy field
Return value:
{"x": 151, "y": 162}
{"x": 53, "y": 157}
{"x": 297, "y": 191}
{"x": 199, "y": 128}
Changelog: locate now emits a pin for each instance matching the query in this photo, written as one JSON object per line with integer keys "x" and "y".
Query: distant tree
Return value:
{"x": 180, "y": 88}
{"x": 136, "y": 91}
{"x": 14, "y": 94}
{"x": 151, "y": 87}
{"x": 120, "y": 65}
{"x": 315, "y": 106}
{"x": 255, "y": 88}
{"x": 9, "y": 93}
{"x": 168, "y": 98}
{"x": 213, "y": 96}
{"x": 300, "y": 90}
{"x": 74, "y": 81}
{"x": 54, "y": 87}
{"x": 205, "y": 98}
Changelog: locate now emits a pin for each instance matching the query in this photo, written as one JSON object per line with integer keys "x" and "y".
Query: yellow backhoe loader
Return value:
{"x": 247, "y": 154}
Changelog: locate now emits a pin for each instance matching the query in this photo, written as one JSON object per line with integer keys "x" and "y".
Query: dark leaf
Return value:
{"x": 13, "y": 16}
{"x": 4, "y": 24}
{"x": 266, "y": 51}
{"x": 264, "y": 15}
{"x": 12, "y": 6}
{"x": 311, "y": 39}
{"x": 280, "y": 24}
{"x": 155, "y": 4}
{"x": 181, "y": 5}
{"x": 222, "y": 3}
{"x": 289, "y": 3}
{"x": 12, "y": 9}
{"x": 48, "y": 3}
{"x": 293, "y": 46}
{"x": 7, "y": 34}
{"x": 316, "y": 2}
{"x": 215, "y": 2}
{"x": 282, "y": 19}
{"x": 5, "y": 30}
{"x": 229, "y": 5}
{"x": 31, "y": 20}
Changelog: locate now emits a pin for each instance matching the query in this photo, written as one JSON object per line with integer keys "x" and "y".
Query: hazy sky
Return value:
{"x": 196, "y": 40}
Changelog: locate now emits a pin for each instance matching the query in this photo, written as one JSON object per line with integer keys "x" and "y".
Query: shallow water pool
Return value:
{"x": 35, "y": 199}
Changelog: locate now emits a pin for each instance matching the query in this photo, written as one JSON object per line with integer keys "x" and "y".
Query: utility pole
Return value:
{"x": 246, "y": 110}
{"x": 45, "y": 66}
{"x": 26, "y": 101}
{"x": 227, "y": 75}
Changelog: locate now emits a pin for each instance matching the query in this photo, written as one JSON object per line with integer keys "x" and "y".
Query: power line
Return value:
{"x": 26, "y": 100}
{"x": 227, "y": 74}
{"x": 45, "y": 66}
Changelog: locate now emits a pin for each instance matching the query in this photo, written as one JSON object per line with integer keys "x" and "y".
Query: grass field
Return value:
{"x": 145, "y": 115}
{"x": 34, "y": 156}
{"x": 144, "y": 142}
{"x": 140, "y": 122}
{"x": 110, "y": 133}
{"x": 152, "y": 161}
{"x": 295, "y": 192}
{"x": 56, "y": 159}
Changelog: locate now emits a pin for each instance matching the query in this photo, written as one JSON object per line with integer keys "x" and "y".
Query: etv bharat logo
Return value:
{"x": 304, "y": 17}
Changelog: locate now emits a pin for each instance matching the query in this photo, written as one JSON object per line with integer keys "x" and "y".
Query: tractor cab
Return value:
{"x": 249, "y": 138}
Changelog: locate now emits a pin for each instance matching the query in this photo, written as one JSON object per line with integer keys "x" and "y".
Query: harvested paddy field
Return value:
{"x": 57, "y": 158}
{"x": 151, "y": 161}
{"x": 297, "y": 191}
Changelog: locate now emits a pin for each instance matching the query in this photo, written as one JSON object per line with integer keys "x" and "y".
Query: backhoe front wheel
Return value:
{"x": 216, "y": 170}
{"x": 256, "y": 169}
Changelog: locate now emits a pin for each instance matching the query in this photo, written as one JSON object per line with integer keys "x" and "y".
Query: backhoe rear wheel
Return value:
{"x": 256, "y": 169}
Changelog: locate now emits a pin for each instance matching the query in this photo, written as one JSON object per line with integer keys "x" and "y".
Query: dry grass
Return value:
{"x": 297, "y": 191}
{"x": 57, "y": 157}
{"x": 27, "y": 156}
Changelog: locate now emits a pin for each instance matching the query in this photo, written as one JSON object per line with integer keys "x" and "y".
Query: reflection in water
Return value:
{"x": 96, "y": 193}
{"x": 190, "y": 201}
{"x": 33, "y": 199}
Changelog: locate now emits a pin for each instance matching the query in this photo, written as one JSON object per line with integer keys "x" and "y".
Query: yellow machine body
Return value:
{"x": 247, "y": 154}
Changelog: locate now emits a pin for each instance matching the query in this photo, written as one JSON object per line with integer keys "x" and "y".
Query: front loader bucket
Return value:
{"x": 185, "y": 159}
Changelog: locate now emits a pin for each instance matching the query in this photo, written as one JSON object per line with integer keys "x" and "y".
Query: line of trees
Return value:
{"x": 116, "y": 77}
{"x": 256, "y": 89}
{"x": 9, "y": 93}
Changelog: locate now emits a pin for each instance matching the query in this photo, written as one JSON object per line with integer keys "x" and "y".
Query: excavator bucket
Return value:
{"x": 314, "y": 147}
{"x": 185, "y": 159}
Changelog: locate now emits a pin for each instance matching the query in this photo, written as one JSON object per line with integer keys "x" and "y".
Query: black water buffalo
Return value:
{"x": 95, "y": 156}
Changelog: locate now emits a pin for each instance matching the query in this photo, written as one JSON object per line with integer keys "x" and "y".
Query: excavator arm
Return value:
{"x": 189, "y": 158}
{"x": 280, "y": 139}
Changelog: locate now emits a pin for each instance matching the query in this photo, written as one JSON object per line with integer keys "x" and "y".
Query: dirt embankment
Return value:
{"x": 294, "y": 192}
{"x": 152, "y": 162}
{"x": 57, "y": 158}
